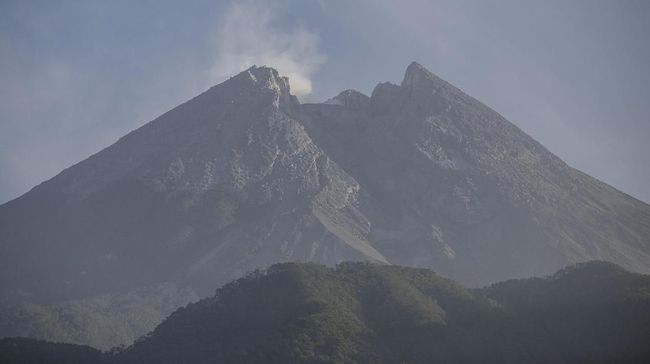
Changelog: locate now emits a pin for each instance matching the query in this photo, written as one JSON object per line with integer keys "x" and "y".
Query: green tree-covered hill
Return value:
{"x": 366, "y": 313}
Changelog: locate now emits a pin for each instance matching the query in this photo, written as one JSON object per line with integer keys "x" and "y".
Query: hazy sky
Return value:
{"x": 76, "y": 75}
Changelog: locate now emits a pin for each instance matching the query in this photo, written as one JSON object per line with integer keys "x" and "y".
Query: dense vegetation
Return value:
{"x": 32, "y": 351}
{"x": 364, "y": 313}
{"x": 102, "y": 322}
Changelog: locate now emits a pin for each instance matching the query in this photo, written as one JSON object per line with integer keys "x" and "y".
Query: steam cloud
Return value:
{"x": 247, "y": 36}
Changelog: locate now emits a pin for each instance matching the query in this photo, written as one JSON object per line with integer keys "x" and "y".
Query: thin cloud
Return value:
{"x": 247, "y": 35}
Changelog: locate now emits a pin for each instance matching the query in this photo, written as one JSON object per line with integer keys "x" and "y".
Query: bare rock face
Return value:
{"x": 244, "y": 176}
{"x": 350, "y": 99}
{"x": 223, "y": 184}
{"x": 470, "y": 194}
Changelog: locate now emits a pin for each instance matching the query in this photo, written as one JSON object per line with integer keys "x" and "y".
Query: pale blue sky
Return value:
{"x": 76, "y": 75}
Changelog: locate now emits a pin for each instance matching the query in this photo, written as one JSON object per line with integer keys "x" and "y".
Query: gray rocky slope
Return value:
{"x": 243, "y": 176}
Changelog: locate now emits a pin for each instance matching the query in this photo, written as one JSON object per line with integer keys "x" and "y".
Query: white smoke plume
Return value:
{"x": 246, "y": 36}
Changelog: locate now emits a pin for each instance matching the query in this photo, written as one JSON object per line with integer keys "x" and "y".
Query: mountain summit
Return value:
{"x": 243, "y": 176}
{"x": 416, "y": 76}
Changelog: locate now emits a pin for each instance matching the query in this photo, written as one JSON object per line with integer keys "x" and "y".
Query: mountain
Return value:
{"x": 367, "y": 313}
{"x": 223, "y": 184}
{"x": 244, "y": 176}
{"x": 464, "y": 191}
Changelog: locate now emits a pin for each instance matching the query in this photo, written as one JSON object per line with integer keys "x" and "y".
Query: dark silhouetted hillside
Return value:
{"x": 367, "y": 313}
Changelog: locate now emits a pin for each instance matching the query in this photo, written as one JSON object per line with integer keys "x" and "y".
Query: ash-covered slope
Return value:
{"x": 466, "y": 192}
{"x": 244, "y": 176}
{"x": 225, "y": 183}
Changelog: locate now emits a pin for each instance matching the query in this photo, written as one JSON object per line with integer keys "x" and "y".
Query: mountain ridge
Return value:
{"x": 243, "y": 176}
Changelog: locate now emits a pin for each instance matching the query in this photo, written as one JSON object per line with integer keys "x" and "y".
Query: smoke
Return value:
{"x": 247, "y": 36}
